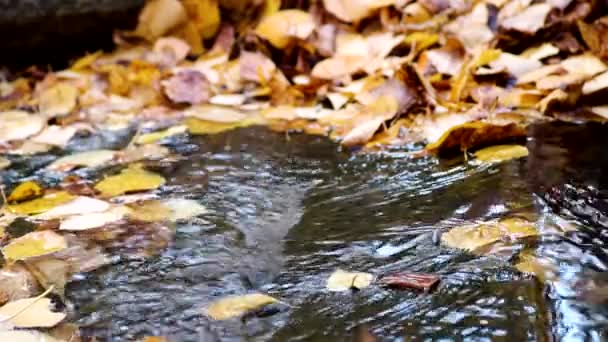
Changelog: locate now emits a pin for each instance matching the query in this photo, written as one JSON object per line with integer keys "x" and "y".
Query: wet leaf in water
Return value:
{"x": 543, "y": 269}
{"x": 17, "y": 125}
{"x": 25, "y": 191}
{"x": 78, "y": 205}
{"x": 42, "y": 204}
{"x": 50, "y": 272}
{"x": 94, "y": 220}
{"x": 34, "y": 244}
{"x": 31, "y": 313}
{"x": 184, "y": 209}
{"x": 196, "y": 126}
{"x": 500, "y": 153}
{"x": 26, "y": 336}
{"x": 235, "y": 306}
{"x": 472, "y": 237}
{"x": 282, "y": 27}
{"x": 4, "y": 163}
{"x": 137, "y": 153}
{"x": 416, "y": 281}
{"x": 83, "y": 159}
{"x": 342, "y": 280}
{"x": 132, "y": 179}
{"x": 154, "y": 339}
{"x": 59, "y": 99}
{"x": 151, "y": 211}
{"x": 153, "y": 137}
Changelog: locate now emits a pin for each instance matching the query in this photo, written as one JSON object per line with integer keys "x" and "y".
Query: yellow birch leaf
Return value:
{"x": 235, "y": 306}
{"x": 342, "y": 280}
{"x": 153, "y": 137}
{"x": 283, "y": 26}
{"x": 472, "y": 237}
{"x": 86, "y": 61}
{"x": 25, "y": 191}
{"x": 197, "y": 126}
{"x": 134, "y": 178}
{"x": 59, "y": 99}
{"x": 271, "y": 7}
{"x": 501, "y": 153}
{"x": 34, "y": 244}
{"x": 205, "y": 15}
{"x": 41, "y": 204}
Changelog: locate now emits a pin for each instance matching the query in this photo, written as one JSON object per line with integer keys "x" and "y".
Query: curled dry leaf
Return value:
{"x": 17, "y": 125}
{"x": 132, "y": 179}
{"x": 59, "y": 99}
{"x": 283, "y": 26}
{"x": 236, "y": 306}
{"x": 34, "y": 244}
{"x": 31, "y": 313}
{"x": 500, "y": 153}
{"x": 342, "y": 280}
{"x": 83, "y": 159}
{"x": 187, "y": 86}
{"x": 473, "y": 237}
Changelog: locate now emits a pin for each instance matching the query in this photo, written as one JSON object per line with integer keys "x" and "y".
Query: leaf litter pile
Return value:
{"x": 456, "y": 75}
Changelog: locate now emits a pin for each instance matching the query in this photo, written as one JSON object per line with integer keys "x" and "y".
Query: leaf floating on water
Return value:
{"x": 34, "y": 244}
{"x": 25, "y": 191}
{"x": 184, "y": 209}
{"x": 59, "y": 99}
{"x": 197, "y": 127}
{"x": 41, "y": 204}
{"x": 282, "y": 27}
{"x": 416, "y": 281}
{"x": 150, "y": 211}
{"x": 236, "y": 306}
{"x": 31, "y": 313}
{"x": 153, "y": 137}
{"x": 472, "y": 237}
{"x": 94, "y": 220}
{"x": 543, "y": 269}
{"x": 83, "y": 159}
{"x": 500, "y": 153}
{"x": 132, "y": 179}
{"x": 342, "y": 280}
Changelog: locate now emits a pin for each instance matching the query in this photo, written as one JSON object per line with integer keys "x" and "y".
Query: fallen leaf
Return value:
{"x": 16, "y": 282}
{"x": 363, "y": 132}
{"x": 33, "y": 244}
{"x": 354, "y": 10}
{"x": 25, "y": 191}
{"x": 4, "y": 163}
{"x": 586, "y": 65}
{"x": 540, "y": 52}
{"x": 142, "y": 152}
{"x": 172, "y": 50}
{"x": 500, "y": 153}
{"x": 150, "y": 211}
{"x": 220, "y": 114}
{"x": 197, "y": 126}
{"x": 234, "y": 306}
{"x": 184, "y": 209}
{"x": 42, "y": 204}
{"x": 540, "y": 73}
{"x": 543, "y": 269}
{"x": 26, "y": 336}
{"x": 342, "y": 280}
{"x": 59, "y": 99}
{"x": 255, "y": 67}
{"x": 30, "y": 147}
{"x": 283, "y": 26}
{"x": 228, "y": 99}
{"x": 529, "y": 20}
{"x": 158, "y": 17}
{"x": 515, "y": 65}
{"x": 78, "y": 205}
{"x": 94, "y": 219}
{"x": 55, "y": 135}
{"x": 83, "y": 159}
{"x": 472, "y": 29}
{"x": 597, "y": 83}
{"x": 204, "y": 16}
{"x": 149, "y": 138}
{"x": 31, "y": 313}
{"x": 50, "y": 272}
{"x": 416, "y": 281}
{"x": 473, "y": 237}
{"x": 17, "y": 125}
{"x": 187, "y": 86}
{"x": 134, "y": 178}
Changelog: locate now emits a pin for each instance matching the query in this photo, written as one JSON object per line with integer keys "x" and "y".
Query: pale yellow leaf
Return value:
{"x": 529, "y": 20}
{"x": 79, "y": 205}
{"x": 235, "y": 306}
{"x": 42, "y": 204}
{"x": 34, "y": 244}
{"x": 31, "y": 313}
{"x": 599, "y": 82}
{"x": 342, "y": 280}
{"x": 59, "y": 99}
{"x": 473, "y": 237}
{"x": 500, "y": 153}
{"x": 150, "y": 211}
{"x": 134, "y": 178}
{"x": 55, "y": 135}
{"x": 214, "y": 113}
{"x": 17, "y": 125}
{"x": 282, "y": 27}
{"x": 153, "y": 137}
{"x": 158, "y": 17}
{"x": 354, "y": 10}
{"x": 587, "y": 65}
{"x": 83, "y": 159}
{"x": 184, "y": 209}
{"x": 94, "y": 220}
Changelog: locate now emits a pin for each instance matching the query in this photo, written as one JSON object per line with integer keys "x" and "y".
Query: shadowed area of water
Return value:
{"x": 285, "y": 213}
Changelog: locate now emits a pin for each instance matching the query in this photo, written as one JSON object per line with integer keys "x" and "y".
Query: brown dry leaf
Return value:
{"x": 282, "y": 27}
{"x": 59, "y": 99}
{"x": 25, "y": 191}
{"x": 473, "y": 237}
{"x": 83, "y": 159}
{"x": 42, "y": 204}
{"x": 31, "y": 313}
{"x": 187, "y": 86}
{"x": 529, "y": 20}
{"x": 234, "y": 306}
{"x": 342, "y": 280}
{"x": 158, "y": 17}
{"x": 132, "y": 179}
{"x": 33, "y": 244}
{"x": 472, "y": 29}
{"x": 17, "y": 125}
{"x": 599, "y": 82}
{"x": 354, "y": 10}
{"x": 501, "y": 153}
{"x": 556, "y": 96}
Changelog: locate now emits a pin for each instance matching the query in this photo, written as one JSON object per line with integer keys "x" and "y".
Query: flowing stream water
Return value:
{"x": 285, "y": 212}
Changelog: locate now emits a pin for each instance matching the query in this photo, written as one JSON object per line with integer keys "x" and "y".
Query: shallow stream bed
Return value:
{"x": 285, "y": 212}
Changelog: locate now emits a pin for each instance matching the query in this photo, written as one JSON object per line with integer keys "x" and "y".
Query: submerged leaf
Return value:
{"x": 342, "y": 280}
{"x": 197, "y": 126}
{"x": 34, "y": 244}
{"x": 500, "y": 153}
{"x": 86, "y": 159}
{"x": 134, "y": 178}
{"x": 473, "y": 237}
{"x": 183, "y": 209}
{"x": 31, "y": 313}
{"x": 235, "y": 306}
{"x": 153, "y": 137}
